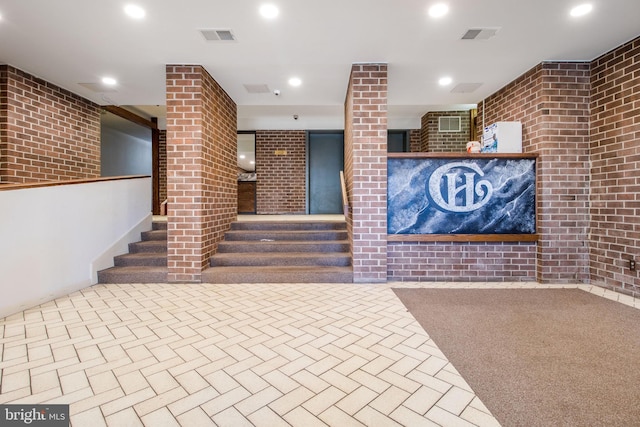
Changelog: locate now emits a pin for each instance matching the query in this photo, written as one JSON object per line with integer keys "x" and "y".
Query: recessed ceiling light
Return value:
{"x": 294, "y": 81}
{"x": 252, "y": 162}
{"x": 109, "y": 81}
{"x": 445, "y": 81}
{"x": 581, "y": 10}
{"x": 242, "y": 156}
{"x": 269, "y": 11}
{"x": 438, "y": 10}
{"x": 134, "y": 11}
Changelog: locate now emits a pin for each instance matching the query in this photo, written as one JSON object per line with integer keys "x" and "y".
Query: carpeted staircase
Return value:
{"x": 146, "y": 261}
{"x": 252, "y": 252}
{"x": 282, "y": 252}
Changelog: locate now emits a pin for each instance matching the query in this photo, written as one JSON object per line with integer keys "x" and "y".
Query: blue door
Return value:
{"x": 325, "y": 155}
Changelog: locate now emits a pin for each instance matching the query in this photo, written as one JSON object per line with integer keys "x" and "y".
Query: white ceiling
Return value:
{"x": 69, "y": 42}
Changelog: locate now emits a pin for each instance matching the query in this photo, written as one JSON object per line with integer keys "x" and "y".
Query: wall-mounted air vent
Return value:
{"x": 480, "y": 33}
{"x": 449, "y": 124}
{"x": 218, "y": 35}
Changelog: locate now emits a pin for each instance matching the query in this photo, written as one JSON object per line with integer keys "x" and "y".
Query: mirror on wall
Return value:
{"x": 247, "y": 178}
{"x": 246, "y": 152}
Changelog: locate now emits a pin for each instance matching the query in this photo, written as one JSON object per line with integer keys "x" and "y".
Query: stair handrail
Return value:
{"x": 345, "y": 198}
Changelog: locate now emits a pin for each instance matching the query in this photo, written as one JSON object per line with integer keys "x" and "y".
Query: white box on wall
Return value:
{"x": 502, "y": 137}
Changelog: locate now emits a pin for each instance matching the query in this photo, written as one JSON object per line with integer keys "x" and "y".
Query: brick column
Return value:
{"x": 366, "y": 170}
{"x": 201, "y": 169}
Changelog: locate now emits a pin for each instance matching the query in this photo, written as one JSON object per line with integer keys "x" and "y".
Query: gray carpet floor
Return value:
{"x": 538, "y": 357}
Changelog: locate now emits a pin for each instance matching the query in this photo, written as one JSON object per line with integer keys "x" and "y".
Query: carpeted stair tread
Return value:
{"x": 148, "y": 246}
{"x": 154, "y": 235}
{"x": 283, "y": 246}
{"x": 339, "y": 259}
{"x": 146, "y": 261}
{"x": 159, "y": 225}
{"x": 133, "y": 274}
{"x": 157, "y": 259}
{"x": 285, "y": 235}
{"x": 289, "y": 225}
{"x": 278, "y": 274}
{"x": 252, "y": 252}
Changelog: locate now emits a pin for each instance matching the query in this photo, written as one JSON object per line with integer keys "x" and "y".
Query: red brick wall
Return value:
{"x": 162, "y": 165}
{"x": 46, "y": 133}
{"x": 4, "y": 104}
{"x": 366, "y": 170}
{"x": 202, "y": 169}
{"x": 422, "y": 261}
{"x": 424, "y": 134}
{"x": 415, "y": 141}
{"x": 615, "y": 168}
{"x": 438, "y": 142}
{"x": 348, "y": 156}
{"x": 552, "y": 103}
{"x": 281, "y": 185}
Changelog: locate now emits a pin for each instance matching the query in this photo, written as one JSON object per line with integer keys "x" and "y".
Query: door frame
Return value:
{"x": 308, "y": 169}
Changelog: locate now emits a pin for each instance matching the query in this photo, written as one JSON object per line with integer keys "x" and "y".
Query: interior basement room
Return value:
{"x": 289, "y": 213}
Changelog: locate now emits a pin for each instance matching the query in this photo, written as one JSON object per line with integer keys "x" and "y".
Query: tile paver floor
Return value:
{"x": 237, "y": 355}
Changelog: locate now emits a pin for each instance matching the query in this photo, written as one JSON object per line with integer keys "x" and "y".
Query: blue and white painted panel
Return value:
{"x": 461, "y": 196}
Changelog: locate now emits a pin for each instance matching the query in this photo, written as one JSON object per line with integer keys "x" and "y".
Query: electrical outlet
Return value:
{"x": 632, "y": 265}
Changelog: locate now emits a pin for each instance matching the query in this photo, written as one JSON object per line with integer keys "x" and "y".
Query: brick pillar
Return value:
{"x": 201, "y": 169}
{"x": 366, "y": 170}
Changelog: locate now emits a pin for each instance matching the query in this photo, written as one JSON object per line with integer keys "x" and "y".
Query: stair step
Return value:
{"x": 148, "y": 246}
{"x": 134, "y": 274}
{"x": 292, "y": 226}
{"x": 159, "y": 225}
{"x": 287, "y": 274}
{"x": 283, "y": 246}
{"x": 285, "y": 235}
{"x": 339, "y": 259}
{"x": 154, "y": 235}
{"x": 157, "y": 259}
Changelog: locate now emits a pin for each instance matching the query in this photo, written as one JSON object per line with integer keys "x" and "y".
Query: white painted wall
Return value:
{"x": 53, "y": 240}
{"x": 124, "y": 154}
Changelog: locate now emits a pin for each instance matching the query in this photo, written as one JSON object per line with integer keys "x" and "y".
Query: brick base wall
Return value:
{"x": 426, "y": 261}
{"x": 46, "y": 133}
{"x": 281, "y": 185}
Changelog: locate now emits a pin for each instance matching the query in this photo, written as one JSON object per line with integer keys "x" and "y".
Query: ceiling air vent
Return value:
{"x": 97, "y": 87}
{"x": 466, "y": 87}
{"x": 257, "y": 88}
{"x": 218, "y": 35}
{"x": 480, "y": 33}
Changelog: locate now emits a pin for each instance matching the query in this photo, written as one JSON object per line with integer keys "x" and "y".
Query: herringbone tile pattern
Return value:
{"x": 233, "y": 355}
